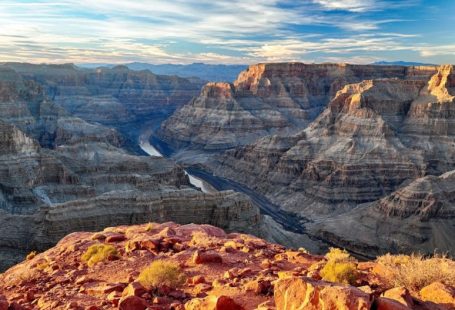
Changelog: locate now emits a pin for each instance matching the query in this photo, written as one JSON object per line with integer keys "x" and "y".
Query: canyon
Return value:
{"x": 360, "y": 152}
{"x": 70, "y": 158}
{"x": 306, "y": 155}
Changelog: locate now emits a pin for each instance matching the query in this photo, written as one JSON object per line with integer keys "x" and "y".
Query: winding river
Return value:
{"x": 196, "y": 182}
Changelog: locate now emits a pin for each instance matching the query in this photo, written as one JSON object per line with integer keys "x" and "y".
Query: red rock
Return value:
{"x": 3, "y": 303}
{"x": 115, "y": 237}
{"x": 206, "y": 257}
{"x": 309, "y": 294}
{"x": 132, "y": 303}
{"x": 400, "y": 294}
{"x": 114, "y": 298}
{"x": 382, "y": 303}
{"x": 439, "y": 293}
{"x": 227, "y": 303}
{"x": 259, "y": 286}
{"x": 134, "y": 289}
{"x": 196, "y": 280}
{"x": 213, "y": 303}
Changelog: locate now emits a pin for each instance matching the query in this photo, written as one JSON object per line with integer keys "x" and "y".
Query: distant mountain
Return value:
{"x": 400, "y": 63}
{"x": 215, "y": 73}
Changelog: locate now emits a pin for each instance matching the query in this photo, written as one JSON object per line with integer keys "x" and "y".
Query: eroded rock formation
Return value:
{"x": 266, "y": 99}
{"x": 373, "y": 138}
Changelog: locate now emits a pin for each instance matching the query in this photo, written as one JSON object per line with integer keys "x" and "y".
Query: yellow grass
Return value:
{"x": 162, "y": 272}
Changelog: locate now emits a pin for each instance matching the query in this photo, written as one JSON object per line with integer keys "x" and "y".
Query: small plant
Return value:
{"x": 416, "y": 271}
{"x": 338, "y": 254}
{"x": 98, "y": 253}
{"x": 340, "y": 272}
{"x": 149, "y": 227}
{"x": 340, "y": 267}
{"x": 162, "y": 272}
{"x": 31, "y": 255}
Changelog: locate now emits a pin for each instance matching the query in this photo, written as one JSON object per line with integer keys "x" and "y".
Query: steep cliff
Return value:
{"x": 60, "y": 173}
{"x": 267, "y": 99}
{"x": 374, "y": 137}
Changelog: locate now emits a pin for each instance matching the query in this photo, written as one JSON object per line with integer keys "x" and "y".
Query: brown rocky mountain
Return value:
{"x": 60, "y": 173}
{"x": 373, "y": 131}
{"x": 267, "y": 99}
{"x": 375, "y": 137}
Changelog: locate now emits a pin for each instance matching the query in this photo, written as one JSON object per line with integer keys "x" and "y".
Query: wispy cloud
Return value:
{"x": 183, "y": 31}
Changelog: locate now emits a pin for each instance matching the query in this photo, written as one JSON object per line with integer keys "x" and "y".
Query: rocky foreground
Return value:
{"x": 170, "y": 266}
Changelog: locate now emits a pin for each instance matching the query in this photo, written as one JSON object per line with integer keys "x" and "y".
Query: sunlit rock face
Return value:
{"x": 374, "y": 138}
{"x": 203, "y": 267}
{"x": 266, "y": 99}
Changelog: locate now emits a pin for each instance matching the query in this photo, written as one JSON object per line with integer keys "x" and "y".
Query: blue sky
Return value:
{"x": 221, "y": 31}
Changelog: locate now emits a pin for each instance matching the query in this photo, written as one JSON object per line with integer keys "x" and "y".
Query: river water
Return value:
{"x": 152, "y": 151}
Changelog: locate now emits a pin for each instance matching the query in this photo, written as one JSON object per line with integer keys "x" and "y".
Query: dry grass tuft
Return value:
{"x": 340, "y": 267}
{"x": 416, "y": 271}
{"x": 201, "y": 239}
{"x": 31, "y": 255}
{"x": 162, "y": 272}
{"x": 98, "y": 253}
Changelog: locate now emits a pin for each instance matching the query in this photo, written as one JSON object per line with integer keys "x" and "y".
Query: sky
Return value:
{"x": 227, "y": 31}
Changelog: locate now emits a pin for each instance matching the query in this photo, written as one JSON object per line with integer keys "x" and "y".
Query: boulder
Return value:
{"x": 213, "y": 303}
{"x": 306, "y": 293}
{"x": 401, "y": 295}
{"x": 132, "y": 303}
{"x": 200, "y": 257}
{"x": 382, "y": 303}
{"x": 440, "y": 294}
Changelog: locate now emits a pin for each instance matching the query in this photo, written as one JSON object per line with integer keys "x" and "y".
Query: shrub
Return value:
{"x": 31, "y": 255}
{"x": 162, "y": 272}
{"x": 416, "y": 271}
{"x": 98, "y": 253}
{"x": 344, "y": 272}
{"x": 338, "y": 254}
{"x": 340, "y": 267}
{"x": 149, "y": 227}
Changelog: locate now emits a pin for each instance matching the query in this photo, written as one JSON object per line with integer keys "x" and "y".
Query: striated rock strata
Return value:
{"x": 375, "y": 137}
{"x": 267, "y": 99}
{"x": 60, "y": 173}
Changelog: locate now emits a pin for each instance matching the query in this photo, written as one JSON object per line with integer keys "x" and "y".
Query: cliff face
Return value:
{"x": 60, "y": 173}
{"x": 418, "y": 216}
{"x": 374, "y": 137}
{"x": 266, "y": 99}
{"x": 110, "y": 96}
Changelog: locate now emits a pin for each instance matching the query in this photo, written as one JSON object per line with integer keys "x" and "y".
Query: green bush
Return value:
{"x": 344, "y": 272}
{"x": 98, "y": 253}
{"x": 340, "y": 267}
{"x": 162, "y": 272}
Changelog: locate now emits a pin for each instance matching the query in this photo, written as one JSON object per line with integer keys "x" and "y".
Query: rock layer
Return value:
{"x": 374, "y": 137}
{"x": 60, "y": 173}
{"x": 266, "y": 99}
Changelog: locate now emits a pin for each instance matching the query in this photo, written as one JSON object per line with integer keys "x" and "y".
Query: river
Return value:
{"x": 196, "y": 182}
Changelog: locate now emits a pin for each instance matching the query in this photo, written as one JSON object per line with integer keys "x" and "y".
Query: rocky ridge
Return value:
{"x": 268, "y": 99}
{"x": 374, "y": 138}
{"x": 60, "y": 173}
{"x": 200, "y": 267}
